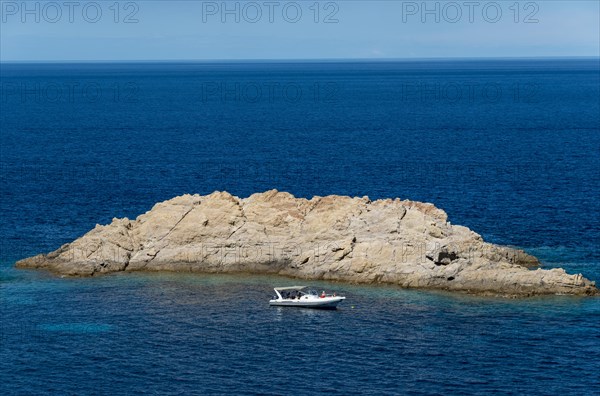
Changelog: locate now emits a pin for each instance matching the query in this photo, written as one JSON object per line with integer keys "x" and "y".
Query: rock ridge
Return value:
{"x": 354, "y": 239}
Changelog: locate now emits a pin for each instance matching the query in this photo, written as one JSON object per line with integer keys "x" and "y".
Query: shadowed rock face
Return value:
{"x": 407, "y": 243}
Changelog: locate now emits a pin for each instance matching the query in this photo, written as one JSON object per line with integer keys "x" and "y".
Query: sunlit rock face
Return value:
{"x": 411, "y": 244}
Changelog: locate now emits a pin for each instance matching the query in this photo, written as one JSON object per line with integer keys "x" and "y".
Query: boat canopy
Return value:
{"x": 290, "y": 288}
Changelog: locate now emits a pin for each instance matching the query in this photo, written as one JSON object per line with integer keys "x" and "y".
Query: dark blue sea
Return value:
{"x": 509, "y": 148}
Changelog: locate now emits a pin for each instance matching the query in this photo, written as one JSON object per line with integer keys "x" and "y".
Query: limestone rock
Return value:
{"x": 402, "y": 242}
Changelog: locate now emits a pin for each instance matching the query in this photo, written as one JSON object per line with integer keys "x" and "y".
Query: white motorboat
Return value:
{"x": 302, "y": 296}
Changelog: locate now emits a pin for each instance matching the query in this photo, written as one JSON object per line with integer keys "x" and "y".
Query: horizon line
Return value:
{"x": 306, "y": 60}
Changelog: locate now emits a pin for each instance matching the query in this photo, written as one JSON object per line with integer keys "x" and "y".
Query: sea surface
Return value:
{"x": 509, "y": 148}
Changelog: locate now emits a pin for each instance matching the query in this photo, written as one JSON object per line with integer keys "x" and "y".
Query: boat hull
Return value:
{"x": 318, "y": 303}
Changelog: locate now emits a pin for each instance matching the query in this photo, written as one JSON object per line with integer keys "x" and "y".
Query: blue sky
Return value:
{"x": 202, "y": 30}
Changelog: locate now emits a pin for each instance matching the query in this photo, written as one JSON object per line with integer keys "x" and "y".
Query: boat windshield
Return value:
{"x": 295, "y": 292}
{"x": 291, "y": 294}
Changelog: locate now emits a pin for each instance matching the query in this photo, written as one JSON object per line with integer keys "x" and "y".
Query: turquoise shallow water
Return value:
{"x": 520, "y": 167}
